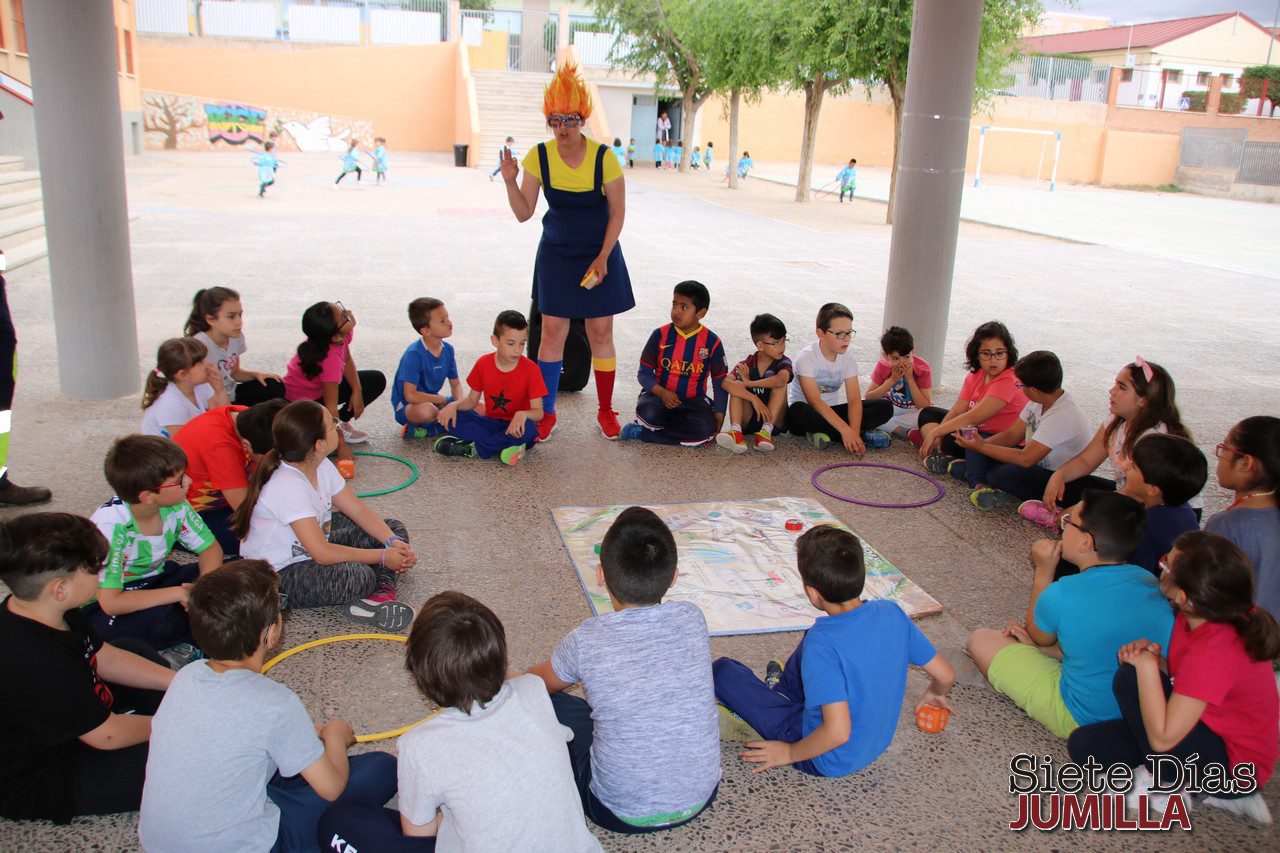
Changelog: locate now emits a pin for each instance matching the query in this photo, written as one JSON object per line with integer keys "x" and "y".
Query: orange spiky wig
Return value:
{"x": 566, "y": 94}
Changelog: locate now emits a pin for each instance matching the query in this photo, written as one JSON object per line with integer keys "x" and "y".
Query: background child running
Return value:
{"x": 507, "y": 150}
{"x": 646, "y": 752}
{"x": 619, "y": 152}
{"x": 349, "y": 557}
{"x": 903, "y": 378}
{"x": 757, "y": 389}
{"x": 1217, "y": 709}
{"x": 77, "y": 711}
{"x": 659, "y": 153}
{"x": 631, "y": 153}
{"x": 675, "y": 366}
{"x": 267, "y": 164}
{"x": 1164, "y": 473}
{"x": 426, "y": 365}
{"x": 379, "y": 161}
{"x": 1249, "y": 465}
{"x": 181, "y": 385}
{"x": 834, "y": 707}
{"x": 848, "y": 179}
{"x": 710, "y": 152}
{"x": 236, "y": 763}
{"x": 141, "y": 593}
{"x": 324, "y": 370}
{"x": 495, "y": 741}
{"x": 1016, "y": 463}
{"x": 350, "y": 163}
{"x": 217, "y": 321}
{"x": 512, "y": 389}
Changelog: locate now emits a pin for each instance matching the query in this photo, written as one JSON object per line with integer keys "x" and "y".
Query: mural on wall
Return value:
{"x": 236, "y": 124}
{"x": 183, "y": 122}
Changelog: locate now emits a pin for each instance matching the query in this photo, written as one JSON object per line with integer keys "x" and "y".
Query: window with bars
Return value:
{"x": 1202, "y": 79}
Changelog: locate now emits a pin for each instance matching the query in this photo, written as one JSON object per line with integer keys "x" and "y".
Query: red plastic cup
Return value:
{"x": 932, "y": 719}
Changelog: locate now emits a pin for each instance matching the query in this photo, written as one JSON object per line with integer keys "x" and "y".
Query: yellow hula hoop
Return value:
{"x": 326, "y": 641}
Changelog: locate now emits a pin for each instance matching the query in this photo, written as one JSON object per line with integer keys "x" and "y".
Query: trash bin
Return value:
{"x": 460, "y": 156}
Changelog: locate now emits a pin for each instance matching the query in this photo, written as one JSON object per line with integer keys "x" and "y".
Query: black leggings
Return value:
{"x": 372, "y": 384}
{"x": 253, "y": 392}
{"x": 349, "y": 171}
{"x": 948, "y": 445}
{"x": 1125, "y": 741}
{"x": 803, "y": 419}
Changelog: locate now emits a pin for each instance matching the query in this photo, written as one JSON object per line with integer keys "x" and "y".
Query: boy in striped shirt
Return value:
{"x": 674, "y": 368}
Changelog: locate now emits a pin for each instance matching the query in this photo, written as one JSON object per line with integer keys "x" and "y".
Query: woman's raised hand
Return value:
{"x": 507, "y": 163}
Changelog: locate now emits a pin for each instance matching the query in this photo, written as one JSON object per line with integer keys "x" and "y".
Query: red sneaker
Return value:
{"x": 914, "y": 436}
{"x": 609, "y": 425}
{"x": 546, "y": 426}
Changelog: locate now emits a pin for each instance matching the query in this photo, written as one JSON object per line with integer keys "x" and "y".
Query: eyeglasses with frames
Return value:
{"x": 1163, "y": 563}
{"x": 346, "y": 315}
{"x": 176, "y": 485}
{"x": 556, "y": 120}
{"x": 841, "y": 336}
{"x": 1066, "y": 519}
{"x": 988, "y": 355}
{"x": 1221, "y": 450}
{"x": 771, "y": 343}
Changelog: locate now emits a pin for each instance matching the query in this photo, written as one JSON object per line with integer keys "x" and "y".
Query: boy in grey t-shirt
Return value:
{"x": 235, "y": 762}
{"x": 646, "y": 750}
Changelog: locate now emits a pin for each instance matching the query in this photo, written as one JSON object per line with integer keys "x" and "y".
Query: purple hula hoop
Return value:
{"x": 829, "y": 493}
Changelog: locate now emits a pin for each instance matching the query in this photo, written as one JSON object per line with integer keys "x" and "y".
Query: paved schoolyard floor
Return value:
{"x": 436, "y": 230}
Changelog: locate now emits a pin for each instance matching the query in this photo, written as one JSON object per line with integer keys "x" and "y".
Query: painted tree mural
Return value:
{"x": 171, "y": 116}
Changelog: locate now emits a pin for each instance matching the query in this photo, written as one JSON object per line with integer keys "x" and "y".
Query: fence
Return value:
{"x": 322, "y": 21}
{"x": 1229, "y": 153}
{"x": 511, "y": 40}
{"x": 1057, "y": 79}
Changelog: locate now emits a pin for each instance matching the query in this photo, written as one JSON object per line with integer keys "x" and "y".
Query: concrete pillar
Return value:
{"x": 455, "y": 20}
{"x": 935, "y": 135}
{"x": 1214, "y": 99}
{"x": 77, "y": 107}
{"x": 1113, "y": 85}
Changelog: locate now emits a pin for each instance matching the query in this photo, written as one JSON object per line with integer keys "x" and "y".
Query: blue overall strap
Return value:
{"x": 542, "y": 164}
{"x": 599, "y": 181}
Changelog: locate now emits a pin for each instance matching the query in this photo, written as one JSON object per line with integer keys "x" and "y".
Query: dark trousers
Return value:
{"x": 8, "y": 373}
{"x": 159, "y": 627}
{"x": 253, "y": 392}
{"x": 575, "y": 713}
{"x": 489, "y": 435}
{"x": 109, "y": 781}
{"x": 349, "y": 171}
{"x": 776, "y": 713}
{"x": 848, "y": 190}
{"x": 312, "y": 584}
{"x": 364, "y": 825}
{"x": 372, "y": 384}
{"x": 1025, "y": 483}
{"x": 262, "y": 187}
{"x": 372, "y": 779}
{"x": 803, "y": 419}
{"x": 948, "y": 445}
{"x": 691, "y": 423}
{"x": 1124, "y": 741}
{"x": 219, "y": 523}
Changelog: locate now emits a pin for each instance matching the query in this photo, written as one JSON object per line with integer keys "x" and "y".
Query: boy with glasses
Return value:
{"x": 757, "y": 388}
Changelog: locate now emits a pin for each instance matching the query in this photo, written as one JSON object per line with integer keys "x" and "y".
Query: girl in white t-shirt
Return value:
{"x": 217, "y": 321}
{"x": 350, "y": 557}
{"x": 179, "y": 387}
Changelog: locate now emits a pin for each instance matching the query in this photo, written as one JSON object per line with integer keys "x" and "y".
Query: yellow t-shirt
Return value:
{"x": 579, "y": 180}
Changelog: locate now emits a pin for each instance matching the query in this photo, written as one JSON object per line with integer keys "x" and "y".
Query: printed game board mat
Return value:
{"x": 737, "y": 562}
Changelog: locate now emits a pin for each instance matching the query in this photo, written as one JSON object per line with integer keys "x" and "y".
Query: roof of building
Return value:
{"x": 1130, "y": 36}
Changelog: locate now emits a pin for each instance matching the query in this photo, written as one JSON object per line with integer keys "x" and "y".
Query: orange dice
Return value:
{"x": 347, "y": 468}
{"x": 931, "y": 718}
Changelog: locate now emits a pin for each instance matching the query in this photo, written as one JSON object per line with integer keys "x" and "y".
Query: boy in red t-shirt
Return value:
{"x": 513, "y": 390}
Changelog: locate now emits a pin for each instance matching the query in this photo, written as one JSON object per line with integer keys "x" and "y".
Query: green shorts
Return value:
{"x": 1031, "y": 680}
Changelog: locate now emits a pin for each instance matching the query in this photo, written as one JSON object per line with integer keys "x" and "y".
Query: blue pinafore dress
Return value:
{"x": 573, "y": 231}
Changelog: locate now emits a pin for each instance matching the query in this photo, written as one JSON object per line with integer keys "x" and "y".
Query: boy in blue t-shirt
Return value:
{"x": 267, "y": 165}
{"x": 659, "y": 153}
{"x": 834, "y": 707}
{"x": 848, "y": 178}
{"x": 424, "y": 367}
{"x": 1090, "y": 615}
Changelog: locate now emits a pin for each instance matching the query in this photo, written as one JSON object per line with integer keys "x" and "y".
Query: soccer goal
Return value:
{"x": 1044, "y": 145}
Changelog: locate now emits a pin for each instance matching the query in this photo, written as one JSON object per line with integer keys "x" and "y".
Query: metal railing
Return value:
{"x": 1057, "y": 79}
{"x": 1229, "y": 150}
{"x": 370, "y": 22}
{"x": 511, "y": 40}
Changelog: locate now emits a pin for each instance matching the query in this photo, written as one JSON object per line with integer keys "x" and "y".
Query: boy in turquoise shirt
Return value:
{"x": 848, "y": 178}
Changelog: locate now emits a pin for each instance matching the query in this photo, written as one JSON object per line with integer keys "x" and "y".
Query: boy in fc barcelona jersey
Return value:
{"x": 675, "y": 366}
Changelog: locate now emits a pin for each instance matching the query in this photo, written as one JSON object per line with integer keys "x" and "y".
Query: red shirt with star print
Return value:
{"x": 507, "y": 392}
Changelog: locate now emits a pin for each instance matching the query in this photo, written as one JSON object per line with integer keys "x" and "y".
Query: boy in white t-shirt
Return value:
{"x": 488, "y": 772}
{"x": 1016, "y": 464}
{"x": 824, "y": 399}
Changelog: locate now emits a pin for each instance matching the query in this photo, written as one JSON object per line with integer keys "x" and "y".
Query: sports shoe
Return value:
{"x": 915, "y": 437}
{"x": 451, "y": 445}
{"x": 180, "y": 655}
{"x": 876, "y": 439}
{"x": 608, "y": 420}
{"x": 1252, "y": 806}
{"x": 733, "y": 727}
{"x": 1141, "y": 791}
{"x": 389, "y": 615}
{"x": 511, "y": 456}
{"x": 820, "y": 440}
{"x": 412, "y": 431}
{"x": 732, "y": 440}
{"x": 546, "y": 426}
{"x": 763, "y": 441}
{"x": 354, "y": 436}
{"x": 386, "y": 592}
{"x": 958, "y": 469}
{"x": 631, "y": 432}
{"x": 986, "y": 498}
{"x": 1037, "y": 512}
{"x": 937, "y": 463}
{"x": 773, "y": 673}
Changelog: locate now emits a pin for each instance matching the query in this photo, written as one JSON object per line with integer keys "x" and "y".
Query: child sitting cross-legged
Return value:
{"x": 675, "y": 366}
{"x": 1090, "y": 615}
{"x": 141, "y": 593}
{"x": 834, "y": 707}
{"x": 236, "y": 763}
{"x": 425, "y": 367}
{"x": 512, "y": 389}
{"x": 903, "y": 378}
{"x": 181, "y": 385}
{"x": 757, "y": 389}
{"x": 496, "y": 741}
{"x": 77, "y": 711}
{"x": 646, "y": 752}
{"x": 350, "y": 557}
{"x": 1016, "y": 463}
{"x": 1164, "y": 473}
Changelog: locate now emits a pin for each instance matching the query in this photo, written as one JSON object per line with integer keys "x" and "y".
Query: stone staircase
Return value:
{"x": 21, "y": 213}
{"x": 510, "y": 104}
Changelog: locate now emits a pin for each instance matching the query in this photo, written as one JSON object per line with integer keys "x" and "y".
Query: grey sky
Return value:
{"x": 1137, "y": 11}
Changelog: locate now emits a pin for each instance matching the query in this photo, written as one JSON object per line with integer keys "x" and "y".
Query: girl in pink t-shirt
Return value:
{"x": 990, "y": 399}
{"x": 323, "y": 370}
{"x": 1218, "y": 708}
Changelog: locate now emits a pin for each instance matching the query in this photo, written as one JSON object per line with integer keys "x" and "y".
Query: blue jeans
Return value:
{"x": 364, "y": 825}
{"x": 372, "y": 778}
{"x": 489, "y": 435}
{"x": 777, "y": 712}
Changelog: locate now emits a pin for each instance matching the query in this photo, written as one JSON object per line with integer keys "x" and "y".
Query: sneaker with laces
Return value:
{"x": 937, "y": 463}
{"x": 1141, "y": 794}
{"x": 388, "y": 615}
{"x": 180, "y": 655}
{"x": 764, "y": 441}
{"x": 511, "y": 456}
{"x": 631, "y": 432}
{"x": 819, "y": 440}
{"x": 546, "y": 426}
{"x": 608, "y": 420}
{"x": 876, "y": 439}
{"x": 385, "y": 592}
{"x": 986, "y": 498}
{"x": 453, "y": 446}
{"x": 915, "y": 437}
{"x": 773, "y": 673}
{"x": 412, "y": 431}
{"x": 958, "y": 469}
{"x": 1037, "y": 512}
{"x": 353, "y": 435}
{"x": 732, "y": 440}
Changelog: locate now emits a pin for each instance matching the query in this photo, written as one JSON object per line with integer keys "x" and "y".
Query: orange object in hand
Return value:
{"x": 347, "y": 468}
{"x": 589, "y": 280}
{"x": 931, "y": 718}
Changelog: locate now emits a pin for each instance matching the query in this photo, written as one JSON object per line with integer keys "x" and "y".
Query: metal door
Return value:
{"x": 644, "y": 124}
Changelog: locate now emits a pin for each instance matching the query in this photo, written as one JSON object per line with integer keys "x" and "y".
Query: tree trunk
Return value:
{"x": 813, "y": 91}
{"x": 688, "y": 112}
{"x": 735, "y": 106}
{"x": 896, "y": 94}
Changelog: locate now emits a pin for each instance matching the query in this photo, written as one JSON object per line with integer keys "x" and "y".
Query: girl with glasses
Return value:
{"x": 1249, "y": 465}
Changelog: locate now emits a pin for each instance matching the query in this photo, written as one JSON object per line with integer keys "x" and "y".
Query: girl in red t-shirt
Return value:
{"x": 1218, "y": 708}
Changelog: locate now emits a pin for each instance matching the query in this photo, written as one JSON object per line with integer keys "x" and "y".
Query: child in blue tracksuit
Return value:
{"x": 673, "y": 155}
{"x": 379, "y": 160}
{"x": 350, "y": 162}
{"x": 267, "y": 165}
{"x": 659, "y": 153}
{"x": 744, "y": 165}
{"x": 710, "y": 150}
{"x": 848, "y": 178}
{"x": 619, "y": 152}
{"x": 695, "y": 159}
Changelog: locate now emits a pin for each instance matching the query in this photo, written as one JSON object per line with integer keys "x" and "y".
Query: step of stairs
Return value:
{"x": 509, "y": 104}
{"x": 12, "y": 182}
{"x": 12, "y": 164}
{"x": 15, "y": 204}
{"x": 21, "y": 213}
{"x": 15, "y": 230}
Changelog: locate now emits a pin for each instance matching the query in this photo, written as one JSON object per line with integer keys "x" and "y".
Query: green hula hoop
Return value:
{"x": 406, "y": 484}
